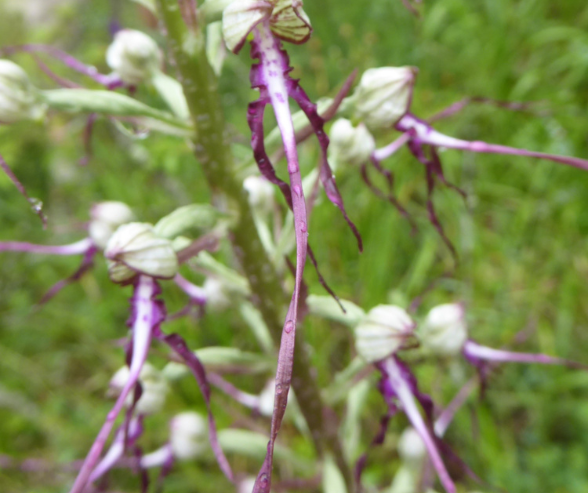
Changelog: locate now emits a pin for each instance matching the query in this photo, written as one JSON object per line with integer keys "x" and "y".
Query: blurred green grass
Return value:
{"x": 521, "y": 236}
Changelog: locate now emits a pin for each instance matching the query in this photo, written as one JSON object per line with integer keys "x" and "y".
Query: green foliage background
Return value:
{"x": 521, "y": 237}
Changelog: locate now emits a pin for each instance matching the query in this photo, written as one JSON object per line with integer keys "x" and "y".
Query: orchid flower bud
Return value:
{"x": 349, "y": 144}
{"x": 383, "y": 95}
{"x": 19, "y": 99}
{"x": 286, "y": 19}
{"x": 188, "y": 435}
{"x": 266, "y": 398}
{"x": 133, "y": 56}
{"x": 153, "y": 384}
{"x": 246, "y": 485}
{"x": 135, "y": 249}
{"x": 383, "y": 332}
{"x": 106, "y": 218}
{"x": 411, "y": 447}
{"x": 217, "y": 294}
{"x": 444, "y": 331}
{"x": 261, "y": 193}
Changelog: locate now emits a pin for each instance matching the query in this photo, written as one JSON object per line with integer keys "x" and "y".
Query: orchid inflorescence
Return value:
{"x": 144, "y": 255}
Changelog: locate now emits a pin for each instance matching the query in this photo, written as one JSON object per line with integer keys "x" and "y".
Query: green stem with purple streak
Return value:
{"x": 210, "y": 148}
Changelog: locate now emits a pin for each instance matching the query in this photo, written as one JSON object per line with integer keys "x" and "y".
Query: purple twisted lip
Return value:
{"x": 399, "y": 383}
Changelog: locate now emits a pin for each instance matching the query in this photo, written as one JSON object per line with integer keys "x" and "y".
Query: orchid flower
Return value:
{"x": 383, "y": 99}
{"x": 136, "y": 255}
{"x": 270, "y": 22}
{"x": 445, "y": 333}
{"x": 384, "y": 331}
{"x": 105, "y": 218}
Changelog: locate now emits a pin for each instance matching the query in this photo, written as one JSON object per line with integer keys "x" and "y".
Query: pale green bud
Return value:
{"x": 188, "y": 435}
{"x": 19, "y": 99}
{"x": 133, "y": 56}
{"x": 106, "y": 217}
{"x": 135, "y": 249}
{"x": 444, "y": 331}
{"x": 153, "y": 384}
{"x": 383, "y": 95}
{"x": 349, "y": 144}
{"x": 383, "y": 332}
{"x": 217, "y": 294}
{"x": 411, "y": 447}
{"x": 261, "y": 193}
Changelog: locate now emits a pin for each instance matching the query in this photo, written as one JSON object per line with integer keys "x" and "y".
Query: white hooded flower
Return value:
{"x": 19, "y": 99}
{"x": 261, "y": 193}
{"x": 246, "y": 485}
{"x": 217, "y": 294}
{"x": 383, "y": 95}
{"x": 188, "y": 435}
{"x": 153, "y": 384}
{"x": 349, "y": 144}
{"x": 382, "y": 332}
{"x": 106, "y": 218}
{"x": 266, "y": 398}
{"x": 134, "y": 56}
{"x": 444, "y": 331}
{"x": 411, "y": 447}
{"x": 135, "y": 249}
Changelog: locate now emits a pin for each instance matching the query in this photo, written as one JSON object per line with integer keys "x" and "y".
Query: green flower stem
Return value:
{"x": 213, "y": 154}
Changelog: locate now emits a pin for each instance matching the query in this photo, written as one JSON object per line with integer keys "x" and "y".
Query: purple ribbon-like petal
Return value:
{"x": 146, "y": 315}
{"x": 425, "y": 134}
{"x": 72, "y": 62}
{"x": 397, "y": 383}
{"x": 475, "y": 352}
{"x": 271, "y": 77}
{"x": 178, "y": 345}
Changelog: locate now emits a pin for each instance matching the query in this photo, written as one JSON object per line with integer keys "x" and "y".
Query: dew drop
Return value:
{"x": 289, "y": 326}
{"x": 279, "y": 389}
{"x": 297, "y": 190}
{"x": 36, "y": 204}
{"x": 303, "y": 227}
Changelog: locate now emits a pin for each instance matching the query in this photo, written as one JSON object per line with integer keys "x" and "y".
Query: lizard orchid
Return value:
{"x": 270, "y": 22}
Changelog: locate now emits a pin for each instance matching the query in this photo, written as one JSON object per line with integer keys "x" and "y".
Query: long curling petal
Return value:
{"x": 426, "y": 134}
{"x": 393, "y": 372}
{"x": 271, "y": 74}
{"x": 146, "y": 316}
{"x": 474, "y": 351}
{"x": 326, "y": 175}
{"x": 178, "y": 345}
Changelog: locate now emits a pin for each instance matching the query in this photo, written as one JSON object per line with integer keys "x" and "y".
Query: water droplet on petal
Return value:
{"x": 279, "y": 389}
{"x": 297, "y": 190}
{"x": 289, "y": 326}
{"x": 303, "y": 227}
